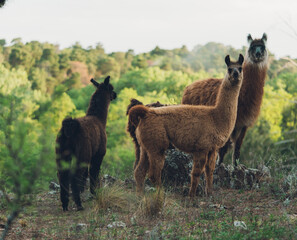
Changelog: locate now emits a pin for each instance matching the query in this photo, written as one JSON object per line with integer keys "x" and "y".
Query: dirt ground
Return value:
{"x": 259, "y": 214}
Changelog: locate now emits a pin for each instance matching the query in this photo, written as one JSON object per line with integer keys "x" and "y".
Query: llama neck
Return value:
{"x": 99, "y": 107}
{"x": 252, "y": 89}
{"x": 225, "y": 110}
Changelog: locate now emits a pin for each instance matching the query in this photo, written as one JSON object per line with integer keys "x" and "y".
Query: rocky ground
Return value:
{"x": 246, "y": 204}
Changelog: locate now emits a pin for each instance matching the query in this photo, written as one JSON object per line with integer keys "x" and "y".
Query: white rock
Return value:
{"x": 240, "y": 224}
{"x": 116, "y": 224}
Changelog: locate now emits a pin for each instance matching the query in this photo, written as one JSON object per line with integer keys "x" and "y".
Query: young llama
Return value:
{"x": 250, "y": 98}
{"x": 85, "y": 139}
{"x": 157, "y": 128}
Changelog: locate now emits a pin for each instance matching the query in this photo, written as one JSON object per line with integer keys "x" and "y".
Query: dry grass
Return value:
{"x": 112, "y": 197}
{"x": 152, "y": 203}
{"x": 158, "y": 215}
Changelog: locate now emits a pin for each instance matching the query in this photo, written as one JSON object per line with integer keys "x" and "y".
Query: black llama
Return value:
{"x": 85, "y": 140}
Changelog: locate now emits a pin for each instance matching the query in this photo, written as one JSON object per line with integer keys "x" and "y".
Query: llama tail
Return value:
{"x": 70, "y": 127}
{"x": 133, "y": 102}
{"x": 136, "y": 113}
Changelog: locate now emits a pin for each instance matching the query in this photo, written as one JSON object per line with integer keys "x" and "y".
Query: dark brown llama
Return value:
{"x": 131, "y": 128}
{"x": 157, "y": 128}
{"x": 250, "y": 98}
{"x": 84, "y": 139}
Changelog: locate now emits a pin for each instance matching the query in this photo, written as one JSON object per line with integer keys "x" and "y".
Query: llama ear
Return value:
{"x": 249, "y": 39}
{"x": 94, "y": 82}
{"x": 106, "y": 80}
{"x": 240, "y": 59}
{"x": 227, "y": 60}
{"x": 264, "y": 38}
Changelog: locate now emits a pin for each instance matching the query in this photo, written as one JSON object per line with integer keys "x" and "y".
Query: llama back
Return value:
{"x": 70, "y": 127}
{"x": 202, "y": 92}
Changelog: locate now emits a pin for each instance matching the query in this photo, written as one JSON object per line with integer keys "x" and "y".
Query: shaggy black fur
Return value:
{"x": 84, "y": 139}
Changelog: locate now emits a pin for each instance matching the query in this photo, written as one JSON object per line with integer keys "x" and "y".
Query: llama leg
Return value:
{"x": 83, "y": 174}
{"x": 137, "y": 154}
{"x": 209, "y": 169}
{"x": 237, "y": 145}
{"x": 141, "y": 170}
{"x": 75, "y": 178}
{"x": 223, "y": 151}
{"x": 64, "y": 188}
{"x": 94, "y": 171}
{"x": 63, "y": 156}
{"x": 156, "y": 166}
{"x": 199, "y": 161}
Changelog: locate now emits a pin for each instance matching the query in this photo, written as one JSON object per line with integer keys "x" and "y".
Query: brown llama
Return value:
{"x": 157, "y": 128}
{"x": 85, "y": 139}
{"x": 131, "y": 128}
{"x": 250, "y": 98}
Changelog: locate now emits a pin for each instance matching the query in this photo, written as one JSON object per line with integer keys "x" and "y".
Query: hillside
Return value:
{"x": 41, "y": 84}
{"x": 257, "y": 214}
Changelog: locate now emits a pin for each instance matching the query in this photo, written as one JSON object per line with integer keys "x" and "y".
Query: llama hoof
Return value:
{"x": 65, "y": 209}
{"x": 80, "y": 208}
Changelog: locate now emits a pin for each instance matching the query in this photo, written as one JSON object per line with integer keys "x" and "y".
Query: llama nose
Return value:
{"x": 235, "y": 74}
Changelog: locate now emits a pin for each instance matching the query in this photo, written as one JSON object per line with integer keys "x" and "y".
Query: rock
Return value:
{"x": 237, "y": 179}
{"x": 80, "y": 226}
{"x": 129, "y": 182}
{"x": 177, "y": 173}
{"x": 108, "y": 180}
{"x": 118, "y": 224}
{"x": 221, "y": 176}
{"x": 177, "y": 168}
{"x": 218, "y": 206}
{"x": 54, "y": 186}
{"x": 240, "y": 224}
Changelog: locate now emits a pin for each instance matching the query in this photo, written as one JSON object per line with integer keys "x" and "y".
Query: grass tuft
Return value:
{"x": 152, "y": 203}
{"x": 112, "y": 197}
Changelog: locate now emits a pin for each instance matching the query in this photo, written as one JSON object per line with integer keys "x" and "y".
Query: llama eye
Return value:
{"x": 229, "y": 70}
{"x": 240, "y": 69}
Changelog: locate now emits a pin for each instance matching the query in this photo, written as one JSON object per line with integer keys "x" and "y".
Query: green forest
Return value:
{"x": 41, "y": 84}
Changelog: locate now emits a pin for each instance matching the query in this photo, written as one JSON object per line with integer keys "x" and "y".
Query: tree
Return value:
{"x": 20, "y": 57}
{"x": 108, "y": 66}
{"x": 20, "y": 163}
{"x": 2, "y": 42}
{"x": 38, "y": 78}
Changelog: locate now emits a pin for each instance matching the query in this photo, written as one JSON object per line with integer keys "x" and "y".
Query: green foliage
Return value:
{"x": 39, "y": 87}
{"x": 108, "y": 66}
{"x": 56, "y": 89}
{"x": 23, "y": 141}
{"x": 168, "y": 83}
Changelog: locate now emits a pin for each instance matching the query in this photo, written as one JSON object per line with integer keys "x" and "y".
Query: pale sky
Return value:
{"x": 141, "y": 25}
